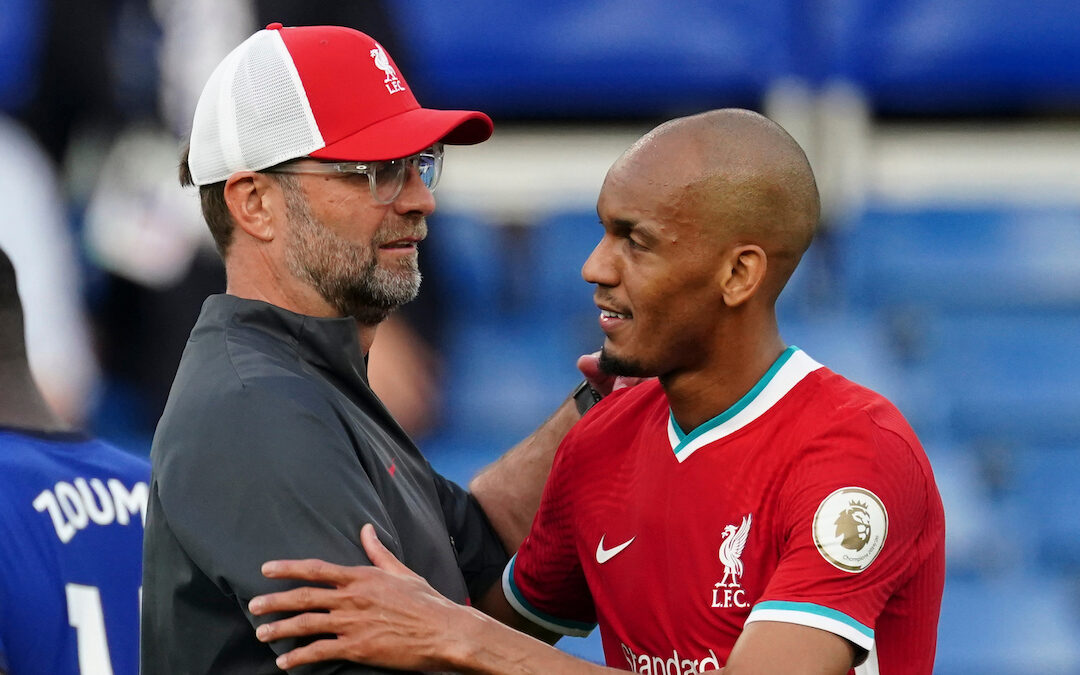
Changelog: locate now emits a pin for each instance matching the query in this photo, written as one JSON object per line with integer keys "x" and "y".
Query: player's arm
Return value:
{"x": 775, "y": 648}
{"x": 509, "y": 490}
{"x": 387, "y": 615}
{"x": 816, "y": 616}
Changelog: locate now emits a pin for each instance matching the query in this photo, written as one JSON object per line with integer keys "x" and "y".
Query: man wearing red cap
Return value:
{"x": 315, "y": 166}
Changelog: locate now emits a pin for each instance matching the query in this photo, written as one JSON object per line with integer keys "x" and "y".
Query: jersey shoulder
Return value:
{"x": 610, "y": 429}
{"x": 55, "y": 455}
{"x": 836, "y": 392}
{"x": 834, "y": 405}
{"x": 850, "y": 434}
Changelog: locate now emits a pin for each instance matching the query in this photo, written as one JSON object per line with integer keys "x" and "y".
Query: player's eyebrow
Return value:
{"x": 624, "y": 227}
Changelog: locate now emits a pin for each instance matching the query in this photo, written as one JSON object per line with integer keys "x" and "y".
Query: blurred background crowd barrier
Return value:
{"x": 946, "y": 140}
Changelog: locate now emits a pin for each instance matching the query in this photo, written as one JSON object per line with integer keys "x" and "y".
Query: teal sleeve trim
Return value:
{"x": 575, "y": 626}
{"x": 818, "y": 610}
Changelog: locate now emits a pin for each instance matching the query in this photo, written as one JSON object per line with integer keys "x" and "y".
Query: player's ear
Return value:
{"x": 256, "y": 203}
{"x": 742, "y": 273}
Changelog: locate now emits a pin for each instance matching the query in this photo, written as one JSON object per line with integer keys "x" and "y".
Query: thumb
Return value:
{"x": 589, "y": 365}
{"x": 379, "y": 555}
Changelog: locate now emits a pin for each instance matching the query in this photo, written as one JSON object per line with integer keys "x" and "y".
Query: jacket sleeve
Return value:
{"x": 480, "y": 552}
{"x": 268, "y": 474}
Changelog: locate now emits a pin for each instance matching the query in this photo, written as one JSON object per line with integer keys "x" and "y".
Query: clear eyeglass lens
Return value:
{"x": 389, "y": 177}
{"x": 429, "y": 165}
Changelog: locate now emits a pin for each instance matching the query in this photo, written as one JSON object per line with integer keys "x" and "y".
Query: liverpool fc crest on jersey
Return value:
{"x": 729, "y": 592}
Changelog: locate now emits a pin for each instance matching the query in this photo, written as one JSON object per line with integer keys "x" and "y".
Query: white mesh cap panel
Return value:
{"x": 253, "y": 113}
{"x": 206, "y": 157}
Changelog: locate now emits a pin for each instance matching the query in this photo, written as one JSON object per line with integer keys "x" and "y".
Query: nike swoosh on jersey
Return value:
{"x": 605, "y": 554}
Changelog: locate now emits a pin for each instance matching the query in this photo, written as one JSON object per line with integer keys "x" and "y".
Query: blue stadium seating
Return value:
{"x": 981, "y": 536}
{"x": 961, "y": 56}
{"x": 1009, "y": 377}
{"x": 21, "y": 35}
{"x": 1045, "y": 492}
{"x": 859, "y": 348}
{"x": 503, "y": 377}
{"x": 973, "y": 259}
{"x": 463, "y": 255}
{"x": 1008, "y": 626}
{"x": 560, "y": 244}
{"x": 660, "y": 58}
{"x": 621, "y": 58}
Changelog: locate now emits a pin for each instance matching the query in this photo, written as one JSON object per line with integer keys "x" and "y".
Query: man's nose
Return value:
{"x": 415, "y": 195}
{"x": 599, "y": 268}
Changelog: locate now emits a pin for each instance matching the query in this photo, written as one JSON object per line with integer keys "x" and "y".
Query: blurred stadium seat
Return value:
{"x": 503, "y": 376}
{"x": 613, "y": 58}
{"x": 560, "y": 244}
{"x": 463, "y": 254}
{"x": 964, "y": 259}
{"x": 860, "y": 348}
{"x": 1017, "y": 624}
{"x": 1011, "y": 377}
{"x": 21, "y": 38}
{"x": 618, "y": 57}
{"x": 1045, "y": 491}
{"x": 962, "y": 56}
{"x": 981, "y": 537}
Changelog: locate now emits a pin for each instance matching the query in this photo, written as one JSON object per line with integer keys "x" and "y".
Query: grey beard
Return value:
{"x": 370, "y": 293}
{"x": 346, "y": 275}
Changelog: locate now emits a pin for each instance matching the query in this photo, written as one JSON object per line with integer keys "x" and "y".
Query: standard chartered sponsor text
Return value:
{"x": 675, "y": 664}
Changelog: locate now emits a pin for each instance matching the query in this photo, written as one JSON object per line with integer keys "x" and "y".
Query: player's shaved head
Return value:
{"x": 739, "y": 175}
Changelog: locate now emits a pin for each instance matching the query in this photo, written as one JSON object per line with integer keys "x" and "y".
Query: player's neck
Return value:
{"x": 698, "y": 396}
{"x": 21, "y": 403}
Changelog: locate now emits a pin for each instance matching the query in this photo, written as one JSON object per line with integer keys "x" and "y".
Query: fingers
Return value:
{"x": 307, "y": 570}
{"x": 589, "y": 365}
{"x": 623, "y": 382}
{"x": 320, "y": 650}
{"x": 294, "y": 600}
{"x": 311, "y": 623}
{"x": 379, "y": 555}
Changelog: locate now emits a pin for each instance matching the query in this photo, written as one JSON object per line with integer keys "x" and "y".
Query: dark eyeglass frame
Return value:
{"x": 386, "y": 178}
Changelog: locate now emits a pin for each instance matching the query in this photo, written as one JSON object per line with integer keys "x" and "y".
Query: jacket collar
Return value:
{"x": 329, "y": 343}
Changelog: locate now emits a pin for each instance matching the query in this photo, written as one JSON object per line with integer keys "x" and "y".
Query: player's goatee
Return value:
{"x": 614, "y": 365}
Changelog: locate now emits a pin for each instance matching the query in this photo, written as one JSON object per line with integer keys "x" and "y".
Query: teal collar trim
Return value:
{"x": 787, "y": 371}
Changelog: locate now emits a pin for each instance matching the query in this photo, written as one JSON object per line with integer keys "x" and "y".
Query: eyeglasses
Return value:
{"x": 386, "y": 178}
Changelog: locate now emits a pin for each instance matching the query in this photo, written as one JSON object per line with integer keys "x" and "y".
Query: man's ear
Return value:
{"x": 256, "y": 204}
{"x": 743, "y": 273}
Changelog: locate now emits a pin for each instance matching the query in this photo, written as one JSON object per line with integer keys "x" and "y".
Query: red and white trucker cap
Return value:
{"x": 322, "y": 91}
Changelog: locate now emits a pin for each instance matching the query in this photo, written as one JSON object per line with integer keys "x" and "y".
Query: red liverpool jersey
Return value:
{"x": 809, "y": 501}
